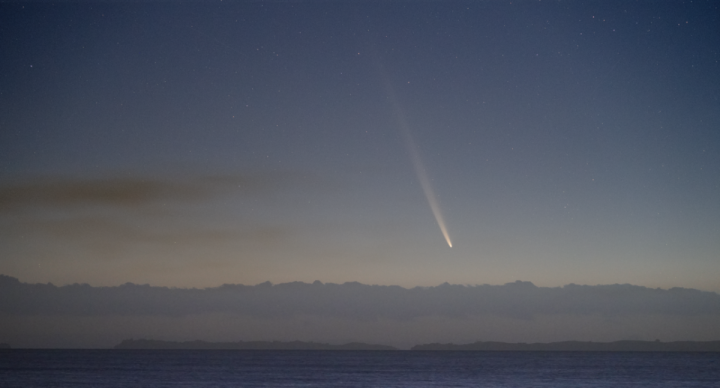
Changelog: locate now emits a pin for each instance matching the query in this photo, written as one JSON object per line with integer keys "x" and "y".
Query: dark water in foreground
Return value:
{"x": 268, "y": 368}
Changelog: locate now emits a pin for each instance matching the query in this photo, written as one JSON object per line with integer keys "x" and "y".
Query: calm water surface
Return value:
{"x": 267, "y": 368}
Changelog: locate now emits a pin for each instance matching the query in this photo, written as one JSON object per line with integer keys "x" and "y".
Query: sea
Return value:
{"x": 338, "y": 368}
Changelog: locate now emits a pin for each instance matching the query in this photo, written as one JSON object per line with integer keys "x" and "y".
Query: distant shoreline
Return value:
{"x": 563, "y": 346}
{"x": 580, "y": 346}
{"x": 246, "y": 345}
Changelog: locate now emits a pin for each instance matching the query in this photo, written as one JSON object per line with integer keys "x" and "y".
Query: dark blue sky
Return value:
{"x": 204, "y": 143}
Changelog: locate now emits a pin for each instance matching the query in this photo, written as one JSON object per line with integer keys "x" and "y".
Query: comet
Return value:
{"x": 421, "y": 173}
{"x": 415, "y": 155}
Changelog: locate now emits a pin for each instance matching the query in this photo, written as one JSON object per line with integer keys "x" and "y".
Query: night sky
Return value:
{"x": 203, "y": 143}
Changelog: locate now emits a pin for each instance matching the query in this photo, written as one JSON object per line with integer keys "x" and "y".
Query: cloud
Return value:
{"x": 96, "y": 230}
{"x": 106, "y": 214}
{"x": 122, "y": 192}
{"x": 79, "y": 315}
{"x": 519, "y": 300}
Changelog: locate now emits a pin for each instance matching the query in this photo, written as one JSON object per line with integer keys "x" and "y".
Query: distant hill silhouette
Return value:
{"x": 246, "y": 345}
{"x": 579, "y": 346}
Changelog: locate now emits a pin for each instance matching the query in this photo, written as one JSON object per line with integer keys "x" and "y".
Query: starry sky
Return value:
{"x": 200, "y": 143}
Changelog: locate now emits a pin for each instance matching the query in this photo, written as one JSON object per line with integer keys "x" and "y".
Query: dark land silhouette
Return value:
{"x": 246, "y": 345}
{"x": 564, "y": 346}
{"x": 582, "y": 346}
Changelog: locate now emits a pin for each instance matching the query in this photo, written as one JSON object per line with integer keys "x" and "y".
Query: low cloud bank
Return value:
{"x": 82, "y": 316}
{"x": 519, "y": 300}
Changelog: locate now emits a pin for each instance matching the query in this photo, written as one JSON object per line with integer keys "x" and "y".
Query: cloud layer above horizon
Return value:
{"x": 431, "y": 314}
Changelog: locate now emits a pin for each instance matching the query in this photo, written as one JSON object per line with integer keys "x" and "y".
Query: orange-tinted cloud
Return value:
{"x": 119, "y": 191}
